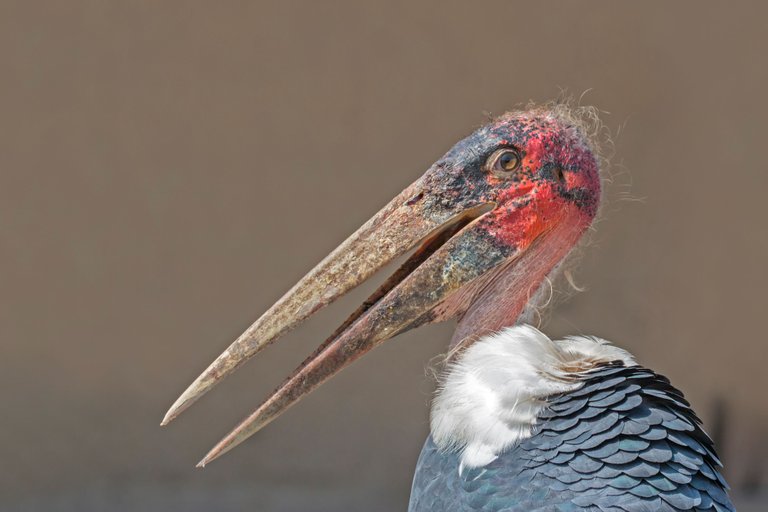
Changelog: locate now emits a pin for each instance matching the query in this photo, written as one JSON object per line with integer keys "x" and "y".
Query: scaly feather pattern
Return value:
{"x": 625, "y": 441}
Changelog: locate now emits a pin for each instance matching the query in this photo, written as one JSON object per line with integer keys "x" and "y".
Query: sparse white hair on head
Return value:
{"x": 490, "y": 398}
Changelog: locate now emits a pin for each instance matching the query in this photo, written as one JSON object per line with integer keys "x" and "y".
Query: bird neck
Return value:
{"x": 514, "y": 293}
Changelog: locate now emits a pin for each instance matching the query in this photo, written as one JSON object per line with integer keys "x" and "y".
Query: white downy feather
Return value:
{"x": 491, "y": 397}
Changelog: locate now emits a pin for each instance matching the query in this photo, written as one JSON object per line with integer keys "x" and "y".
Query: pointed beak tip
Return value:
{"x": 177, "y": 408}
{"x": 190, "y": 395}
{"x": 171, "y": 414}
{"x": 216, "y": 371}
{"x": 215, "y": 452}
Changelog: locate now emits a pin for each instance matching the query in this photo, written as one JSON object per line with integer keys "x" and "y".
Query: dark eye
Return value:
{"x": 504, "y": 161}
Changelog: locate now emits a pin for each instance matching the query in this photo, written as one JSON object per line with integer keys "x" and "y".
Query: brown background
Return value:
{"x": 167, "y": 170}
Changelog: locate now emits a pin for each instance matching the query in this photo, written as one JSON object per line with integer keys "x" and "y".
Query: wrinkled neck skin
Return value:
{"x": 512, "y": 294}
{"x": 493, "y": 389}
{"x": 501, "y": 371}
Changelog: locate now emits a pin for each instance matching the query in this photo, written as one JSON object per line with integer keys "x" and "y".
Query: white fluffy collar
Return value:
{"x": 490, "y": 398}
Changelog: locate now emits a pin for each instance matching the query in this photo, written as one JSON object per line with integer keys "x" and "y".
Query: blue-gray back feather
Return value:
{"x": 626, "y": 441}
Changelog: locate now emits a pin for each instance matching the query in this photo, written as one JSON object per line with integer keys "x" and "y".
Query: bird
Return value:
{"x": 519, "y": 421}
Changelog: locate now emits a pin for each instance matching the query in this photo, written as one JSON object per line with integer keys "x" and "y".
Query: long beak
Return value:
{"x": 454, "y": 252}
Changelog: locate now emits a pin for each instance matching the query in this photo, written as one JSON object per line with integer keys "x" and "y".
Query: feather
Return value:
{"x": 617, "y": 438}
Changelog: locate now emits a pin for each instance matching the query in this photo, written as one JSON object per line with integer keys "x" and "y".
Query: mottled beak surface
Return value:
{"x": 472, "y": 215}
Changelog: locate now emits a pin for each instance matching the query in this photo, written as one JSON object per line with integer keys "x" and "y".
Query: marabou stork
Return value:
{"x": 519, "y": 422}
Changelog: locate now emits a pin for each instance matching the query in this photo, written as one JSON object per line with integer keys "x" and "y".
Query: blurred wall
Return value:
{"x": 167, "y": 170}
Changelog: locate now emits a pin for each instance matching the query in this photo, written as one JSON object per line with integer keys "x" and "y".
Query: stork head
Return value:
{"x": 488, "y": 221}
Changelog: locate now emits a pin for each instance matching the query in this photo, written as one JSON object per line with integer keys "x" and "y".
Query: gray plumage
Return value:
{"x": 627, "y": 441}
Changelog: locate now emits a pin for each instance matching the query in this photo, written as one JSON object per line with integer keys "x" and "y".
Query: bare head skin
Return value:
{"x": 493, "y": 217}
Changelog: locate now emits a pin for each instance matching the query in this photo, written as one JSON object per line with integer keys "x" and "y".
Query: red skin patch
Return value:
{"x": 532, "y": 205}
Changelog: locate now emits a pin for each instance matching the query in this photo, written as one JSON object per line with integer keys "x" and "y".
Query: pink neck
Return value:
{"x": 513, "y": 290}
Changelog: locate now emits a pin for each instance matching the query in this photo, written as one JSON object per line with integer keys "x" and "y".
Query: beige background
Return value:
{"x": 167, "y": 170}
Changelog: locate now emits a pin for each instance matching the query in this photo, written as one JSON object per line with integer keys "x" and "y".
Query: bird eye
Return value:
{"x": 504, "y": 161}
